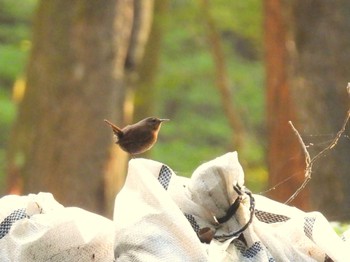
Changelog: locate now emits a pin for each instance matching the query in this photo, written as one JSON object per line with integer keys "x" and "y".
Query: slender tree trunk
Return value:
{"x": 140, "y": 34}
{"x": 285, "y": 158}
{"x": 222, "y": 77}
{"x": 321, "y": 38}
{"x": 142, "y": 16}
{"x": 144, "y": 87}
{"x": 74, "y": 80}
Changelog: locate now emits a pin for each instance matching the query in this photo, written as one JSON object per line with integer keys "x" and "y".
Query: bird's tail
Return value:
{"x": 116, "y": 130}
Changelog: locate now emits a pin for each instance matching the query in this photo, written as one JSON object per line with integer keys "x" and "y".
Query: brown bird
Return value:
{"x": 137, "y": 138}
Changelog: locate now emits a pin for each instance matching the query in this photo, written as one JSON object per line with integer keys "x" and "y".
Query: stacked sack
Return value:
{"x": 159, "y": 216}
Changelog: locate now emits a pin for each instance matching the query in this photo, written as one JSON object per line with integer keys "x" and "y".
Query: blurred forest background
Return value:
{"x": 229, "y": 75}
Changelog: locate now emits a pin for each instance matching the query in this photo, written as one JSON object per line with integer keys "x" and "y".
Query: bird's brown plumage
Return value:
{"x": 139, "y": 137}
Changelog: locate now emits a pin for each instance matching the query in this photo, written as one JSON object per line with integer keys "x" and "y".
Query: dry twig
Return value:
{"x": 310, "y": 161}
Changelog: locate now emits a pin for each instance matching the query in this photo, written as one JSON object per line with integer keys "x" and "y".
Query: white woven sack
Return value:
{"x": 150, "y": 226}
{"x": 155, "y": 209}
{"x": 37, "y": 228}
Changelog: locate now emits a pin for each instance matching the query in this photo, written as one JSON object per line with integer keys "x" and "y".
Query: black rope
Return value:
{"x": 231, "y": 211}
{"x": 251, "y": 209}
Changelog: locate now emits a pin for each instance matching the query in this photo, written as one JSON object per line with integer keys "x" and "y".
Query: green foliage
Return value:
{"x": 340, "y": 228}
{"x": 18, "y": 11}
{"x": 186, "y": 91}
{"x": 12, "y": 63}
{"x": 7, "y": 112}
{"x": 244, "y": 17}
{"x": 7, "y": 109}
{"x": 11, "y": 34}
{"x": 15, "y": 23}
{"x": 15, "y": 17}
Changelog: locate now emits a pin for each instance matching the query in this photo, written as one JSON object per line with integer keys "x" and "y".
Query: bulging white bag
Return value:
{"x": 150, "y": 226}
{"x": 37, "y": 228}
{"x": 163, "y": 217}
{"x": 160, "y": 216}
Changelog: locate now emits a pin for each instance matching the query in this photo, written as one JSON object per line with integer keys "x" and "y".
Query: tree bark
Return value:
{"x": 74, "y": 80}
{"x": 285, "y": 158}
{"x": 321, "y": 72}
{"x": 139, "y": 38}
{"x": 144, "y": 86}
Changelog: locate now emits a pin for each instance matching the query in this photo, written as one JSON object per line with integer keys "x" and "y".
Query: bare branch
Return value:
{"x": 308, "y": 160}
{"x": 307, "y": 155}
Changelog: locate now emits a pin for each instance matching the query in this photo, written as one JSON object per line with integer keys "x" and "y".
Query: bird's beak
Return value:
{"x": 164, "y": 120}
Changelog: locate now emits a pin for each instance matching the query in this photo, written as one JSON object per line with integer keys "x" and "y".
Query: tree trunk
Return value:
{"x": 74, "y": 80}
{"x": 222, "y": 77}
{"x": 285, "y": 158}
{"x": 321, "y": 72}
{"x": 144, "y": 86}
{"x": 139, "y": 37}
